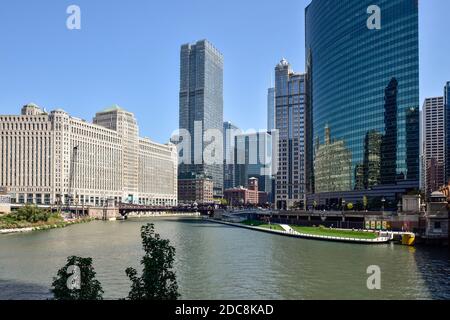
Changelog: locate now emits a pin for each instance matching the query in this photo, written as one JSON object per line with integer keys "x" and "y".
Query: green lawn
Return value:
{"x": 334, "y": 232}
{"x": 261, "y": 224}
{"x": 315, "y": 230}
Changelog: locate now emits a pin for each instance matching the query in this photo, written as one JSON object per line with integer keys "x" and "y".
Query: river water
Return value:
{"x": 214, "y": 261}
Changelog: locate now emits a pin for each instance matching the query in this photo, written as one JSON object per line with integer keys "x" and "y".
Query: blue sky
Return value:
{"x": 127, "y": 53}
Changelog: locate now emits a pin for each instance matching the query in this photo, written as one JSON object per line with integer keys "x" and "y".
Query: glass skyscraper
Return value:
{"x": 201, "y": 106}
{"x": 229, "y": 133}
{"x": 253, "y": 159}
{"x": 270, "y": 109}
{"x": 364, "y": 95}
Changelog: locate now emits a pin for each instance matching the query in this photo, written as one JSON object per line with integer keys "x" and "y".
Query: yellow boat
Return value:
{"x": 408, "y": 239}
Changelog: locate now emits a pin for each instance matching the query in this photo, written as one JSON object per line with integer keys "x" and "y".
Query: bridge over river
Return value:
{"x": 120, "y": 210}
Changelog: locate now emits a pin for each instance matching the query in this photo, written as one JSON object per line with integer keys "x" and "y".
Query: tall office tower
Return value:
{"x": 124, "y": 122}
{"x": 229, "y": 133}
{"x": 422, "y": 156}
{"x": 434, "y": 143}
{"x": 447, "y": 129}
{"x": 201, "y": 106}
{"x": 253, "y": 159}
{"x": 290, "y": 106}
{"x": 363, "y": 84}
{"x": 270, "y": 109}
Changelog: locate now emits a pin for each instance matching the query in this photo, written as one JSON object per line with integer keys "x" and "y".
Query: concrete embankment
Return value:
{"x": 295, "y": 234}
{"x": 44, "y": 227}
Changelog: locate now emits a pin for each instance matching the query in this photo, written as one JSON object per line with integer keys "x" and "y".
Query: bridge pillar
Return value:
{"x": 103, "y": 213}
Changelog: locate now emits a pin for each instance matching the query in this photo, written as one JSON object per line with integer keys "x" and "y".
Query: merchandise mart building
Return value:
{"x": 364, "y": 91}
{"x": 54, "y": 158}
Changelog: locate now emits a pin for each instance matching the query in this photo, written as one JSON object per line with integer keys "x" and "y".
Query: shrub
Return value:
{"x": 31, "y": 214}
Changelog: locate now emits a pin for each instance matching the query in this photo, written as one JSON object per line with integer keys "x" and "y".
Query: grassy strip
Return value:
{"x": 260, "y": 224}
{"x": 8, "y": 222}
{"x": 63, "y": 224}
{"x": 334, "y": 233}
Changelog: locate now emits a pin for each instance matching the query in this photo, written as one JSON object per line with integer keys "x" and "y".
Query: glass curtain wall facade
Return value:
{"x": 253, "y": 158}
{"x": 271, "y": 109}
{"x": 201, "y": 105}
{"x": 364, "y": 90}
{"x": 229, "y": 133}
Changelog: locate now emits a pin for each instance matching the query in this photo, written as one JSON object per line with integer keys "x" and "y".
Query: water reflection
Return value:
{"x": 332, "y": 165}
{"x": 434, "y": 266}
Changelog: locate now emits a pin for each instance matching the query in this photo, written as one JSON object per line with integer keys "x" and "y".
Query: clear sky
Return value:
{"x": 127, "y": 53}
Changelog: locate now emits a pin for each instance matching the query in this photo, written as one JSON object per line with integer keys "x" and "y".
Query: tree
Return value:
{"x": 76, "y": 281}
{"x": 158, "y": 281}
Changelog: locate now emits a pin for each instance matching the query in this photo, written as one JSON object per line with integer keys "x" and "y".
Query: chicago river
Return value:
{"x": 215, "y": 261}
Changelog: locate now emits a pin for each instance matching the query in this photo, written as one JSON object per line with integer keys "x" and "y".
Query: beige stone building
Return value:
{"x": 54, "y": 158}
{"x": 5, "y": 201}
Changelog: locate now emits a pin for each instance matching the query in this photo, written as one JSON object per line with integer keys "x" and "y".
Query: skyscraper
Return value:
{"x": 253, "y": 159}
{"x": 363, "y": 84}
{"x": 447, "y": 128}
{"x": 290, "y": 105}
{"x": 434, "y": 143}
{"x": 229, "y": 133}
{"x": 201, "y": 106}
{"x": 270, "y": 109}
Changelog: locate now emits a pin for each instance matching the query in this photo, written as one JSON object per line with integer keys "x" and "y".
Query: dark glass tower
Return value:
{"x": 364, "y": 88}
{"x": 201, "y": 106}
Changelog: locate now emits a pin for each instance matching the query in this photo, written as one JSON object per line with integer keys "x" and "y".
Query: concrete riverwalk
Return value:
{"x": 289, "y": 232}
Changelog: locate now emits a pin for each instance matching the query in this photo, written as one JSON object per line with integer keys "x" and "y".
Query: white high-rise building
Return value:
{"x": 59, "y": 159}
{"x": 434, "y": 143}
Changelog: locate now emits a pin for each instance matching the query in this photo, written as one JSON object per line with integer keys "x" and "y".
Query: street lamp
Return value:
{"x": 383, "y": 201}
{"x": 343, "y": 210}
